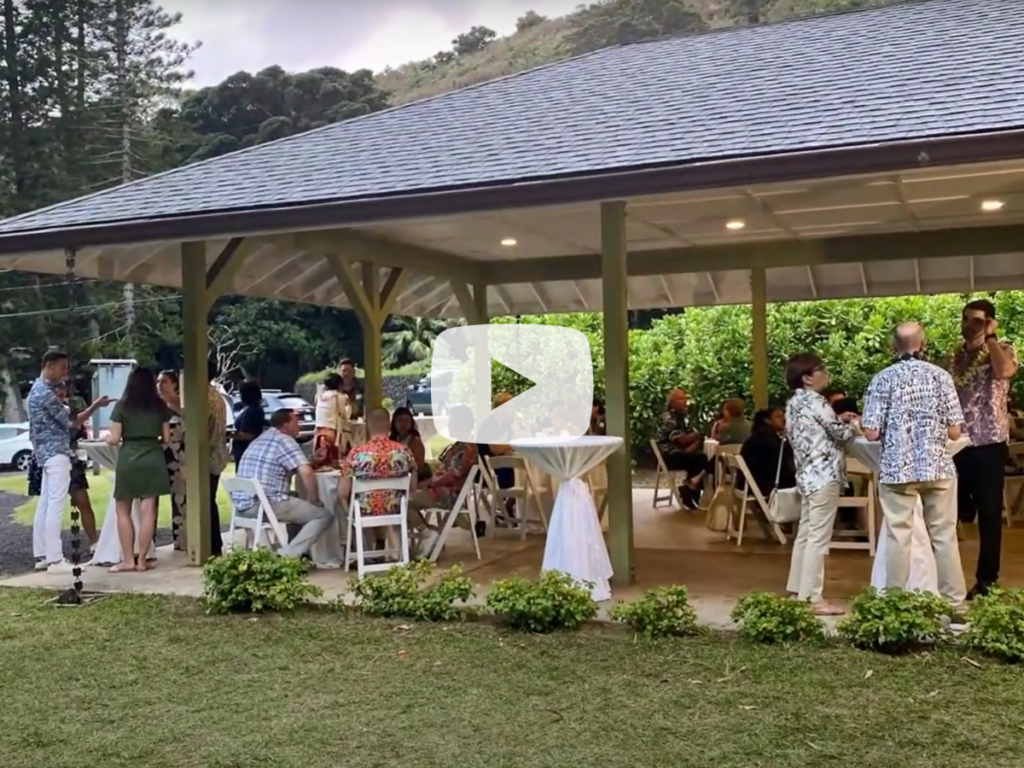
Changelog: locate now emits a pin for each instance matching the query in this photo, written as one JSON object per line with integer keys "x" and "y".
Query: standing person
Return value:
{"x": 217, "y": 431}
{"x": 681, "y": 447}
{"x": 333, "y": 433}
{"x": 168, "y": 385}
{"x": 49, "y": 430}
{"x": 351, "y": 387}
{"x": 251, "y": 419}
{"x": 139, "y": 425}
{"x": 78, "y": 488}
{"x": 982, "y": 367}
{"x": 913, "y": 408}
{"x": 817, "y": 437}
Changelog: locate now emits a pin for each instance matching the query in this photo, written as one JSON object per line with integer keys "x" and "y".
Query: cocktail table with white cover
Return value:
{"x": 575, "y": 545}
{"x": 923, "y": 573}
{"x": 108, "y": 548}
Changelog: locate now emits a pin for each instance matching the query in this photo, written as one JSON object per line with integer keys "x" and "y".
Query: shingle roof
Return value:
{"x": 909, "y": 71}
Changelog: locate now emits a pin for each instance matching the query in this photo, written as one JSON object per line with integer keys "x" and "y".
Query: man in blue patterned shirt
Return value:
{"x": 49, "y": 430}
{"x": 913, "y": 408}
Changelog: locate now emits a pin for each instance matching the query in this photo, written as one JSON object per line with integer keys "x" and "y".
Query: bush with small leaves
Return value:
{"x": 554, "y": 602}
{"x": 995, "y": 625}
{"x": 256, "y": 581}
{"x": 766, "y": 618}
{"x": 893, "y": 621}
{"x": 402, "y": 592}
{"x": 661, "y": 612}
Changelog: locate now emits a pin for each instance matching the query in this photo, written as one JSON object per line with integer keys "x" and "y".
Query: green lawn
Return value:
{"x": 141, "y": 681}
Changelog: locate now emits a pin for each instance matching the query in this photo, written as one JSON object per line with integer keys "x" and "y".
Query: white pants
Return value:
{"x": 53, "y": 500}
{"x": 807, "y": 565}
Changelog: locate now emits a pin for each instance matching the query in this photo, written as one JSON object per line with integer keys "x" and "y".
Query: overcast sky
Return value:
{"x": 351, "y": 34}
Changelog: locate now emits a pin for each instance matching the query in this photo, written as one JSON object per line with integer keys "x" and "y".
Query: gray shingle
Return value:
{"x": 930, "y": 68}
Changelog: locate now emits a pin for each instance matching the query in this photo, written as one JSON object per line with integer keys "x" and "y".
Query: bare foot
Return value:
{"x": 826, "y": 609}
{"x": 122, "y": 568}
{"x": 142, "y": 565}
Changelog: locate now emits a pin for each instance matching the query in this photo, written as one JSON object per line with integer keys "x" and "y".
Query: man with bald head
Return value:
{"x": 913, "y": 408}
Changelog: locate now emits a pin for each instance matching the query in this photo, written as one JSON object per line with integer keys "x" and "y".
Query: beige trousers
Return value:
{"x": 807, "y": 566}
{"x": 938, "y": 499}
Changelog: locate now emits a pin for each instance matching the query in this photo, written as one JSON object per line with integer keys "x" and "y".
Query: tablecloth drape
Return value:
{"x": 923, "y": 574}
{"x": 574, "y": 545}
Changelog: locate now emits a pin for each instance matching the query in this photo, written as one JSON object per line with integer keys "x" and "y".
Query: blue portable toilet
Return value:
{"x": 108, "y": 379}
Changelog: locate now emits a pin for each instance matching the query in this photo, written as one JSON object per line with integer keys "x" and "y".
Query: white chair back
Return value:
{"x": 664, "y": 475}
{"x": 523, "y": 494}
{"x": 358, "y": 524}
{"x": 265, "y": 520}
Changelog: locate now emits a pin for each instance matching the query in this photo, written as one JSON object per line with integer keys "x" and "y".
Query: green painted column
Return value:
{"x": 759, "y": 335}
{"x": 373, "y": 332}
{"x": 615, "y": 291}
{"x": 195, "y": 402}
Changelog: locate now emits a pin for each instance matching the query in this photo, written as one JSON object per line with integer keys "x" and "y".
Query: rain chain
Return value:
{"x": 74, "y": 595}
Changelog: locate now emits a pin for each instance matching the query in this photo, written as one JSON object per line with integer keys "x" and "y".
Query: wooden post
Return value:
{"x": 759, "y": 336}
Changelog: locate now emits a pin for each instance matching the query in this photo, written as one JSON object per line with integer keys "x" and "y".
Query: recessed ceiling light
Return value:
{"x": 508, "y": 242}
{"x": 735, "y": 224}
{"x": 992, "y": 205}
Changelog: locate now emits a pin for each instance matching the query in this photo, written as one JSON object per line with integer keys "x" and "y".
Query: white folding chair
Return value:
{"x": 265, "y": 522}
{"x": 358, "y": 523}
{"x": 860, "y": 471}
{"x": 447, "y": 517}
{"x": 1013, "y": 486}
{"x": 523, "y": 495}
{"x": 672, "y": 478}
{"x": 745, "y": 501}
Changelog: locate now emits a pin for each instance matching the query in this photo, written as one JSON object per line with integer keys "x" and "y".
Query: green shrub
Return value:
{"x": 893, "y": 620}
{"x": 766, "y": 618}
{"x": 257, "y": 581}
{"x": 403, "y": 592}
{"x": 996, "y": 625}
{"x": 555, "y": 601}
{"x": 661, "y": 612}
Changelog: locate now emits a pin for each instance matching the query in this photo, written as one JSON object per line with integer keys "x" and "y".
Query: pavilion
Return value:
{"x": 871, "y": 153}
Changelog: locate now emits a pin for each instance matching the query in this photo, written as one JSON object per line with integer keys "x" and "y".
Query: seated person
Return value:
{"x": 597, "y": 424}
{"x": 761, "y": 449}
{"x": 500, "y": 423}
{"x": 442, "y": 490}
{"x": 271, "y": 459}
{"x": 404, "y": 431}
{"x": 379, "y": 458}
{"x": 681, "y": 448}
{"x": 833, "y": 396}
{"x": 733, "y": 428}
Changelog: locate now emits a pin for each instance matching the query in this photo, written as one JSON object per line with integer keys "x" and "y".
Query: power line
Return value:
{"x": 87, "y": 308}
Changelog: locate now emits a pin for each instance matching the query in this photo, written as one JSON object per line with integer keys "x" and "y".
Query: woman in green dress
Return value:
{"x": 139, "y": 425}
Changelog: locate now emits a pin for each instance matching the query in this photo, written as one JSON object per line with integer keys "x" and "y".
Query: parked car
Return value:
{"x": 419, "y": 398}
{"x": 275, "y": 399}
{"x": 15, "y": 448}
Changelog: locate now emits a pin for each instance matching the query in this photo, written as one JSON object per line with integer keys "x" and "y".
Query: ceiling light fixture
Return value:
{"x": 508, "y": 242}
{"x": 992, "y": 205}
{"x": 735, "y": 224}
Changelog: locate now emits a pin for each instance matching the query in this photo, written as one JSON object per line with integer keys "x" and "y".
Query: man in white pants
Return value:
{"x": 913, "y": 408}
{"x": 49, "y": 423}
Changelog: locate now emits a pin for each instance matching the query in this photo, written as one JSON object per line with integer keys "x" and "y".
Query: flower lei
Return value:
{"x": 964, "y": 372}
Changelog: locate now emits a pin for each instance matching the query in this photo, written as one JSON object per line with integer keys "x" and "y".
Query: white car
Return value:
{"x": 15, "y": 448}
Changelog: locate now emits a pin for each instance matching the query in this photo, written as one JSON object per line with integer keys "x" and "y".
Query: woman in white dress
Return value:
{"x": 333, "y": 434}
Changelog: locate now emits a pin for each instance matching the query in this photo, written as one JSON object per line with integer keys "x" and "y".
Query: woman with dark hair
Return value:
{"x": 139, "y": 425}
{"x": 251, "y": 420}
{"x": 597, "y": 425}
{"x": 333, "y": 434}
{"x": 761, "y": 452}
{"x": 817, "y": 437}
{"x": 405, "y": 432}
{"x": 168, "y": 385}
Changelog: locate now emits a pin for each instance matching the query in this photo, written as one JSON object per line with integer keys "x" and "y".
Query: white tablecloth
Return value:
{"x": 575, "y": 545}
{"x": 923, "y": 574}
{"x": 327, "y": 549}
{"x": 108, "y": 548}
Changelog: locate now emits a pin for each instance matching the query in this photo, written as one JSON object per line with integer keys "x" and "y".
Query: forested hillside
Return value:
{"x": 94, "y": 93}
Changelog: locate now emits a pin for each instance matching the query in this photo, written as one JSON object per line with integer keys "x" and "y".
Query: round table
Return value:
{"x": 327, "y": 549}
{"x": 923, "y": 573}
{"x": 574, "y": 545}
{"x": 108, "y": 548}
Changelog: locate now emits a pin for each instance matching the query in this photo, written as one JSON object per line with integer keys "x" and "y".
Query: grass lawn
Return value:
{"x": 139, "y": 681}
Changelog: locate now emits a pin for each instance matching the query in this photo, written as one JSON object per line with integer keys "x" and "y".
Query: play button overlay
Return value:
{"x": 552, "y": 382}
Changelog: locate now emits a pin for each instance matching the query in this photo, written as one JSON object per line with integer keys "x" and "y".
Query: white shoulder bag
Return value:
{"x": 783, "y": 503}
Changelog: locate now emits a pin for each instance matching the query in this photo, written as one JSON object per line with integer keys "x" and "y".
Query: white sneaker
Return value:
{"x": 330, "y": 565}
{"x": 41, "y": 564}
{"x": 61, "y": 566}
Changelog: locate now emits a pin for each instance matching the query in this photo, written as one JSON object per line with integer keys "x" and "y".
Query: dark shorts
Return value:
{"x": 690, "y": 463}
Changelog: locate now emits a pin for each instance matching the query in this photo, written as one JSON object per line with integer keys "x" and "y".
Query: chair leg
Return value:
{"x": 360, "y": 561}
{"x": 349, "y": 522}
{"x": 742, "y": 524}
{"x": 657, "y": 489}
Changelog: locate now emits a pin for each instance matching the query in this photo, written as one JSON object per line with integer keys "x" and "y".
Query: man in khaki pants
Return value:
{"x": 913, "y": 408}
